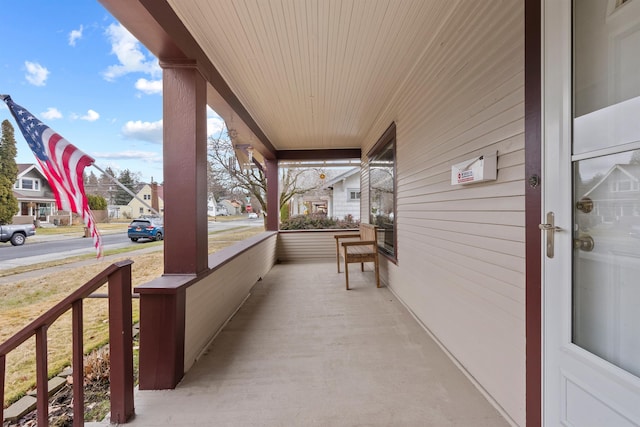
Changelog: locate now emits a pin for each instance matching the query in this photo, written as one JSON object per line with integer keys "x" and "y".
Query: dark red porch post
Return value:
{"x": 185, "y": 168}
{"x": 273, "y": 201}
{"x": 162, "y": 314}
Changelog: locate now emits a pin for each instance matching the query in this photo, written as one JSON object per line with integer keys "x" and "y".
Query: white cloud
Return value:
{"x": 144, "y": 131}
{"x": 144, "y": 156}
{"x": 36, "y": 73}
{"x": 128, "y": 50}
{"x": 149, "y": 87}
{"x": 52, "y": 113}
{"x": 91, "y": 116}
{"x": 215, "y": 125}
{"x": 75, "y": 35}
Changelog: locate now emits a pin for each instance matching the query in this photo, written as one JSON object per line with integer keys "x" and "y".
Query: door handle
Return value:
{"x": 551, "y": 229}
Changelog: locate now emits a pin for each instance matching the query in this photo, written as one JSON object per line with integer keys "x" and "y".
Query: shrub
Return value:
{"x": 96, "y": 203}
{"x": 316, "y": 221}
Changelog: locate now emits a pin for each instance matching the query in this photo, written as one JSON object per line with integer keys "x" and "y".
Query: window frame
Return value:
{"x": 358, "y": 193}
{"x": 387, "y": 139}
{"x": 35, "y": 184}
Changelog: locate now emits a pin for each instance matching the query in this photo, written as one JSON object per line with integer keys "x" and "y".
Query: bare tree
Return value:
{"x": 251, "y": 179}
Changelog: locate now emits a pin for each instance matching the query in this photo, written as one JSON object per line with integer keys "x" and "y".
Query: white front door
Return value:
{"x": 591, "y": 183}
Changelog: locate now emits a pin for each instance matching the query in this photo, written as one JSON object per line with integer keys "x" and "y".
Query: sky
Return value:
{"x": 73, "y": 66}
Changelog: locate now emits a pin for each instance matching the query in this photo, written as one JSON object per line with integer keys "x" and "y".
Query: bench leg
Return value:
{"x": 375, "y": 264}
{"x": 346, "y": 267}
{"x": 338, "y": 254}
{"x": 346, "y": 273}
{"x": 362, "y": 267}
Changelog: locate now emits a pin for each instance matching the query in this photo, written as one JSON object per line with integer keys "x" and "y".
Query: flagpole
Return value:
{"x": 121, "y": 185}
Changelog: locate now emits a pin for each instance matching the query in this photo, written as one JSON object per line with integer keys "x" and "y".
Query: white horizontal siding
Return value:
{"x": 213, "y": 300}
{"x": 461, "y": 267}
{"x": 308, "y": 245}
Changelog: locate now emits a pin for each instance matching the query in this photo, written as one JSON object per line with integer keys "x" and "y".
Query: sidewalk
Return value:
{"x": 41, "y": 259}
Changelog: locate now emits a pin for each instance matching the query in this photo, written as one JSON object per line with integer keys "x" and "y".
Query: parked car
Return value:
{"x": 16, "y": 234}
{"x": 146, "y": 228}
{"x": 253, "y": 215}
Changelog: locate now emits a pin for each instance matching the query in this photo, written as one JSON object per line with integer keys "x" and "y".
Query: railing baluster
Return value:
{"x": 77, "y": 365}
{"x": 42, "y": 374}
{"x": 3, "y": 365}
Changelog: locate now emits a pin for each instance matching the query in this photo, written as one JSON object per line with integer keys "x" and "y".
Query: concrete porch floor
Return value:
{"x": 303, "y": 351}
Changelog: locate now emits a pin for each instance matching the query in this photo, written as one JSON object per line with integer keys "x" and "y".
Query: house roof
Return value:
{"x": 24, "y": 168}
{"x": 24, "y": 197}
{"x": 631, "y": 170}
{"x": 341, "y": 177}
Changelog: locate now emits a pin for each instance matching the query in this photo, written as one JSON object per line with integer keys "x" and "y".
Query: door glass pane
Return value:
{"x": 606, "y": 188}
{"x": 606, "y": 74}
{"x": 606, "y": 258}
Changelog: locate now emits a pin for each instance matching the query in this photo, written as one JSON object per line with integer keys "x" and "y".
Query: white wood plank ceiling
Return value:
{"x": 314, "y": 73}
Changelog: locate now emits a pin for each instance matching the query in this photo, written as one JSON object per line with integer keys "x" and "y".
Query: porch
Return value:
{"x": 304, "y": 351}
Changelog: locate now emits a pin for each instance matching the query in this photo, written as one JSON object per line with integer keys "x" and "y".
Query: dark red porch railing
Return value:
{"x": 118, "y": 275}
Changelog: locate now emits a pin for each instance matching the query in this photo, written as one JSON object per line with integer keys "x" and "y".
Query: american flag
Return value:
{"x": 62, "y": 164}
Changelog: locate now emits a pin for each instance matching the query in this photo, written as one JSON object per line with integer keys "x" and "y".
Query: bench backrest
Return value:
{"x": 368, "y": 232}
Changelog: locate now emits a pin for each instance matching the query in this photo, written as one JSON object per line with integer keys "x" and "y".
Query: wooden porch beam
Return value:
{"x": 331, "y": 154}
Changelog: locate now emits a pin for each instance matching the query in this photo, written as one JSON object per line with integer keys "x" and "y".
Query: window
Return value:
{"x": 354, "y": 195}
{"x": 382, "y": 191}
{"x": 623, "y": 185}
{"x": 141, "y": 210}
{"x": 30, "y": 184}
{"x": 27, "y": 184}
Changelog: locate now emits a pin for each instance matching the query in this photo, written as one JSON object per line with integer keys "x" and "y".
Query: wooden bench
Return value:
{"x": 360, "y": 248}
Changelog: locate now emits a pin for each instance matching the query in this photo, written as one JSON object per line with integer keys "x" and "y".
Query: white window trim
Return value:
{"x": 35, "y": 184}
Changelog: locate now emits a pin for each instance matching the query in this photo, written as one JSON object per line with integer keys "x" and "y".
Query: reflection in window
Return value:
{"x": 605, "y": 276}
{"x": 382, "y": 190}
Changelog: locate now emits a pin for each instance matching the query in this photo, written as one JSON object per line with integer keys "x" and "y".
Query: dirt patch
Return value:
{"x": 96, "y": 403}
{"x": 96, "y": 393}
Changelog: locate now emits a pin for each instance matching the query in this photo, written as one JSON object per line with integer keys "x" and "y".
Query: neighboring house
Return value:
{"x": 345, "y": 195}
{"x": 233, "y": 207}
{"x": 35, "y": 197}
{"x": 211, "y": 206}
{"x": 152, "y": 196}
{"x": 148, "y": 196}
{"x": 311, "y": 202}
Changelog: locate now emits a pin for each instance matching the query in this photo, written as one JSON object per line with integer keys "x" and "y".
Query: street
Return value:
{"x": 40, "y": 248}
